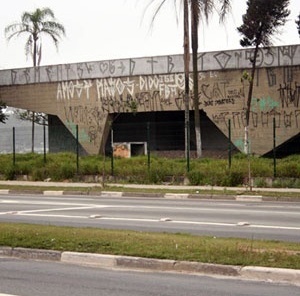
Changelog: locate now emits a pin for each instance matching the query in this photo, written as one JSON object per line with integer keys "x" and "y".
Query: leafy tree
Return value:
{"x": 39, "y": 118}
{"x": 35, "y": 25}
{"x": 3, "y": 116}
{"x": 260, "y": 23}
{"x": 298, "y": 24}
{"x": 196, "y": 10}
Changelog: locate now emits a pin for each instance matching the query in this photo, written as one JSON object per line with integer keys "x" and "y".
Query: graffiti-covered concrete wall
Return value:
{"x": 84, "y": 94}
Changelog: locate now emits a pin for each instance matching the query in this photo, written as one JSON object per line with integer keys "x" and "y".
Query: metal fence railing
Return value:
{"x": 163, "y": 138}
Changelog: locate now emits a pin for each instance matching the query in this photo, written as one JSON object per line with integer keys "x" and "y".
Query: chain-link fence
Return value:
{"x": 16, "y": 135}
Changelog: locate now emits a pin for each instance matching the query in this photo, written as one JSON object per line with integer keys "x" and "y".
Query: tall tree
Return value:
{"x": 260, "y": 23}
{"x": 35, "y": 25}
{"x": 298, "y": 24}
{"x": 186, "y": 46}
{"x": 3, "y": 116}
{"x": 195, "y": 11}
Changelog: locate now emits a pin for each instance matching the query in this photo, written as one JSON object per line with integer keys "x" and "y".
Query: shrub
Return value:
{"x": 10, "y": 172}
{"x": 63, "y": 172}
{"x": 203, "y": 171}
{"x": 40, "y": 174}
{"x": 233, "y": 178}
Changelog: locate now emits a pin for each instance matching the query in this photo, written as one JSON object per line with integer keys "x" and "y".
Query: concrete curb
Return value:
{"x": 243, "y": 198}
{"x": 271, "y": 274}
{"x": 279, "y": 275}
{"x": 35, "y": 254}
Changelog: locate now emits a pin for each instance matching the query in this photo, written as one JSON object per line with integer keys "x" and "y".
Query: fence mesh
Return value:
{"x": 162, "y": 137}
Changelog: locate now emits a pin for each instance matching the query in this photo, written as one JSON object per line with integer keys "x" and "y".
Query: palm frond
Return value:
{"x": 35, "y": 24}
{"x": 225, "y": 9}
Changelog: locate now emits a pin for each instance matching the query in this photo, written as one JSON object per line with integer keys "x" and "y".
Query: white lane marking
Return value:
{"x": 33, "y": 202}
{"x": 50, "y": 210}
{"x": 55, "y": 210}
{"x": 7, "y": 294}
{"x": 158, "y": 221}
{"x": 9, "y": 202}
{"x": 53, "y": 216}
{"x": 277, "y": 209}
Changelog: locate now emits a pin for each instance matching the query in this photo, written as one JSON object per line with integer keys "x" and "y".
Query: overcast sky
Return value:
{"x": 102, "y": 30}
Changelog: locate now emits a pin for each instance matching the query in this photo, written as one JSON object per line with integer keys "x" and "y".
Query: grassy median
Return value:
{"x": 231, "y": 251}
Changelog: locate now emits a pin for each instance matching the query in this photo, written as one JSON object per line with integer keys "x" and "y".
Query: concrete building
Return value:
{"x": 92, "y": 95}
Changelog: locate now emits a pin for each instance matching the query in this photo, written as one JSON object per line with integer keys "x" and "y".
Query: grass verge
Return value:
{"x": 228, "y": 251}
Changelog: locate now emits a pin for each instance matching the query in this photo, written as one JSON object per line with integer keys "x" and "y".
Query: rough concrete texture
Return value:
{"x": 97, "y": 260}
{"x": 36, "y": 254}
{"x": 85, "y": 94}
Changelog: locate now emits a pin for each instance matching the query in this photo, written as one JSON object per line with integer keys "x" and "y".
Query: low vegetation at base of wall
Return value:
{"x": 203, "y": 171}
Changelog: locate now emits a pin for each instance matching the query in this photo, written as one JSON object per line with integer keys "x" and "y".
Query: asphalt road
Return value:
{"x": 255, "y": 220}
{"x": 37, "y": 278}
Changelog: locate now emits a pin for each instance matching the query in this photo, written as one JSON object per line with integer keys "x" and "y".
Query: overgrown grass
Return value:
{"x": 204, "y": 171}
{"x": 153, "y": 245}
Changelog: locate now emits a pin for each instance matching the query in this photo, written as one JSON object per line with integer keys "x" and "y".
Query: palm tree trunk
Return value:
{"x": 186, "y": 46}
{"x": 33, "y": 113}
{"x": 196, "y": 88}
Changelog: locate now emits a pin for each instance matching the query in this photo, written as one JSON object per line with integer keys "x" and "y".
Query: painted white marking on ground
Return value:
{"x": 55, "y": 210}
{"x": 159, "y": 221}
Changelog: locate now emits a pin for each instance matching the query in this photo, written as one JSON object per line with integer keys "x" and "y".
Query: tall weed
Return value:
{"x": 204, "y": 171}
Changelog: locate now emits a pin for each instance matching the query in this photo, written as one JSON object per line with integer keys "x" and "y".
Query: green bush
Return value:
{"x": 233, "y": 178}
{"x": 40, "y": 174}
{"x": 288, "y": 169}
{"x": 10, "y": 172}
{"x": 63, "y": 172}
{"x": 203, "y": 171}
{"x": 155, "y": 176}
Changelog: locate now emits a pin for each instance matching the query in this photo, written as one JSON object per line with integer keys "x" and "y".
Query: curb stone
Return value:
{"x": 95, "y": 260}
{"x": 271, "y": 274}
{"x": 35, "y": 254}
{"x": 280, "y": 275}
{"x": 241, "y": 198}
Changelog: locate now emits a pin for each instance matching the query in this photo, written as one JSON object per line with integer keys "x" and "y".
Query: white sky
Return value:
{"x": 115, "y": 29}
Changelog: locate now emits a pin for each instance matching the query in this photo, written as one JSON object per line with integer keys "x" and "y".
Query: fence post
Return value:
{"x": 148, "y": 145}
{"x": 187, "y": 142}
{"x": 112, "y": 149}
{"x": 229, "y": 143}
{"x": 274, "y": 147}
{"x": 77, "y": 149}
{"x": 14, "y": 146}
{"x": 44, "y": 131}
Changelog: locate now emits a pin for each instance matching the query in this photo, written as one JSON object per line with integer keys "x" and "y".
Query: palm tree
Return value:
{"x": 201, "y": 9}
{"x": 35, "y": 25}
{"x": 197, "y": 10}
